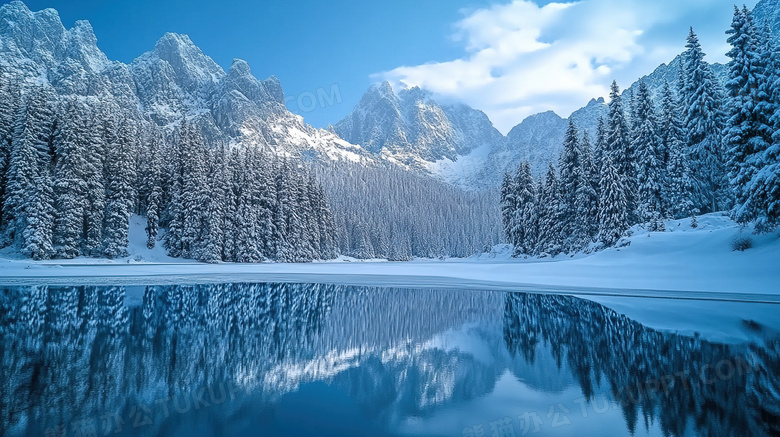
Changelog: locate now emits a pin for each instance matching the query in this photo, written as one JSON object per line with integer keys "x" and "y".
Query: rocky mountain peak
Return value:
{"x": 239, "y": 67}
{"x": 414, "y": 94}
{"x": 383, "y": 88}
{"x": 189, "y": 63}
{"x": 412, "y": 127}
{"x": 39, "y": 36}
{"x": 274, "y": 87}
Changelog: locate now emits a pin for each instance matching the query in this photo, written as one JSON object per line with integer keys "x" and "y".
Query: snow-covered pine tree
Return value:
{"x": 649, "y": 153}
{"x": 286, "y": 215}
{"x": 586, "y": 205}
{"x": 148, "y": 163}
{"x": 767, "y": 180}
{"x": 363, "y": 247}
{"x": 120, "y": 192}
{"x": 194, "y": 191}
{"x": 173, "y": 213}
{"x": 234, "y": 162}
{"x": 678, "y": 189}
{"x": 327, "y": 228}
{"x": 671, "y": 135}
{"x": 210, "y": 240}
{"x": 10, "y": 99}
{"x": 29, "y": 162}
{"x": 314, "y": 210}
{"x": 101, "y": 125}
{"x": 245, "y": 228}
{"x": 266, "y": 203}
{"x": 538, "y": 217}
{"x": 523, "y": 231}
{"x": 680, "y": 185}
{"x": 748, "y": 132}
{"x": 704, "y": 124}
{"x": 228, "y": 203}
{"x": 620, "y": 148}
{"x": 71, "y": 148}
{"x": 184, "y": 209}
{"x": 153, "y": 189}
{"x": 613, "y": 206}
{"x": 508, "y": 205}
{"x": 304, "y": 250}
{"x": 39, "y": 217}
{"x": 550, "y": 240}
{"x": 599, "y": 151}
{"x": 570, "y": 168}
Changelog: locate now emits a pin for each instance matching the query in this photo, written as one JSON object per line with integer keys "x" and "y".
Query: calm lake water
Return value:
{"x": 325, "y": 360}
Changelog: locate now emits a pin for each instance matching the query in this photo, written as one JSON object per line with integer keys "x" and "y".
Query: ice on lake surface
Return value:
{"x": 328, "y": 360}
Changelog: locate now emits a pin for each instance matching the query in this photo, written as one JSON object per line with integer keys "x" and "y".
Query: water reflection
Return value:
{"x": 281, "y": 359}
{"x": 688, "y": 384}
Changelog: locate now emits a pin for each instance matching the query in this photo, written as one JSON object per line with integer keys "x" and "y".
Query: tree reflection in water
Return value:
{"x": 217, "y": 359}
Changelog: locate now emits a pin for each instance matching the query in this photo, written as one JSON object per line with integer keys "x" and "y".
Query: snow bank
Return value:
{"x": 680, "y": 262}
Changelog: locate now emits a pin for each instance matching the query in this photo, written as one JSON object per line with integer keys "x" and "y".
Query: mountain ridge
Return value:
{"x": 172, "y": 80}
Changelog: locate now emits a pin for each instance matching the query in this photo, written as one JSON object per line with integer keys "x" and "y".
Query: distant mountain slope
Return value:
{"x": 539, "y": 138}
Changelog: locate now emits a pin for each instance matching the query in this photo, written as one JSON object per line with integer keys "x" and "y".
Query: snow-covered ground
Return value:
{"x": 681, "y": 262}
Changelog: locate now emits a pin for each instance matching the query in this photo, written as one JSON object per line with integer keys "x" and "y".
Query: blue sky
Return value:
{"x": 507, "y": 58}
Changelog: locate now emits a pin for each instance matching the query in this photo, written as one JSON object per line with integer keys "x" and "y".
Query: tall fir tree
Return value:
{"x": 613, "y": 204}
{"x": 704, "y": 124}
{"x": 103, "y": 132}
{"x": 572, "y": 175}
{"x": 10, "y": 99}
{"x": 182, "y": 213}
{"x": 213, "y": 193}
{"x": 71, "y": 145}
{"x": 248, "y": 239}
{"x": 748, "y": 133}
{"x": 586, "y": 204}
{"x": 679, "y": 187}
{"x": 120, "y": 192}
{"x": 508, "y": 204}
{"x": 28, "y": 167}
{"x": 649, "y": 155}
{"x": 522, "y": 229}
{"x": 153, "y": 180}
{"x": 620, "y": 148}
{"x": 550, "y": 237}
{"x": 672, "y": 134}
{"x": 194, "y": 191}
{"x": 40, "y": 212}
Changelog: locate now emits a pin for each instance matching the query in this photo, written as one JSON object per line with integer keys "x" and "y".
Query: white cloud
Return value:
{"x": 521, "y": 58}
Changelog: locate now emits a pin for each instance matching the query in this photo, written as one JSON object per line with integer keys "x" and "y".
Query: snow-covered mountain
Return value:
{"x": 767, "y": 12}
{"x": 173, "y": 79}
{"x": 411, "y": 127}
{"x": 538, "y": 139}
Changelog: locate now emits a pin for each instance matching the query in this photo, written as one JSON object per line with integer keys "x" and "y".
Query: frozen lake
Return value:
{"x": 334, "y": 360}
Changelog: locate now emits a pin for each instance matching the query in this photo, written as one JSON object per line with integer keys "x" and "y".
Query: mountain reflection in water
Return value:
{"x": 287, "y": 359}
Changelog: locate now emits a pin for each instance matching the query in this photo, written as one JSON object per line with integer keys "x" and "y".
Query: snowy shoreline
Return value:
{"x": 679, "y": 263}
